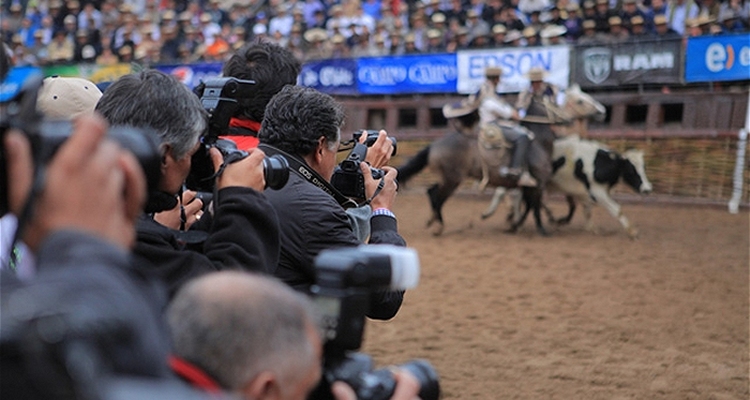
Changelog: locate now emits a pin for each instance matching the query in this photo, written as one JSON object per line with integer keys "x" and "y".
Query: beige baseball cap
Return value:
{"x": 67, "y": 97}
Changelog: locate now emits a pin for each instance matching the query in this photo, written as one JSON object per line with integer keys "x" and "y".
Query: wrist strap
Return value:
{"x": 380, "y": 187}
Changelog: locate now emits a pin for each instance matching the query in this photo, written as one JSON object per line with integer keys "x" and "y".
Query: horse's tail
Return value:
{"x": 414, "y": 165}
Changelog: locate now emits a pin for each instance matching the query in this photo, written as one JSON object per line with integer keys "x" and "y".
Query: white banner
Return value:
{"x": 515, "y": 63}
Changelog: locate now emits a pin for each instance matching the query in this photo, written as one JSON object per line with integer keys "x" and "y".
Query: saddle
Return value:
{"x": 494, "y": 150}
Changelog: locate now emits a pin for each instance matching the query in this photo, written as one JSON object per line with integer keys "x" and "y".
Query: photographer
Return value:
{"x": 254, "y": 337}
{"x": 243, "y": 229}
{"x": 271, "y": 67}
{"x": 305, "y": 124}
{"x": 81, "y": 230}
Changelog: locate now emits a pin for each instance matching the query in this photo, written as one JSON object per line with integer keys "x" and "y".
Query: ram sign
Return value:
{"x": 656, "y": 61}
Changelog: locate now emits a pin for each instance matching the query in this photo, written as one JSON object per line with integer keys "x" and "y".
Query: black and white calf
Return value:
{"x": 585, "y": 171}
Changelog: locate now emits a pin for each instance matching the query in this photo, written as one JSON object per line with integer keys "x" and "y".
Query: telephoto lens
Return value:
{"x": 275, "y": 171}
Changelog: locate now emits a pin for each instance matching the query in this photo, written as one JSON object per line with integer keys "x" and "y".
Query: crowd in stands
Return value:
{"x": 54, "y": 32}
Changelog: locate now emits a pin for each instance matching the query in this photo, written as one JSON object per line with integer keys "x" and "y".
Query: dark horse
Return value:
{"x": 457, "y": 156}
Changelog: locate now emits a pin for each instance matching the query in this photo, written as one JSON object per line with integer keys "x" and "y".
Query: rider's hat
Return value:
{"x": 459, "y": 108}
{"x": 536, "y": 74}
{"x": 493, "y": 72}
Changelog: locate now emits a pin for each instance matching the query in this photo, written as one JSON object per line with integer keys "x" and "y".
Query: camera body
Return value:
{"x": 219, "y": 97}
{"x": 347, "y": 178}
{"x": 345, "y": 279}
{"x": 46, "y": 137}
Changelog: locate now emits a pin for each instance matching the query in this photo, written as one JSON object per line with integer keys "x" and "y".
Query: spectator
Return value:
{"x": 498, "y": 35}
{"x": 590, "y": 35}
{"x": 617, "y": 33}
{"x": 305, "y": 125}
{"x": 242, "y": 230}
{"x": 628, "y": 12}
{"x": 663, "y": 31}
{"x": 282, "y": 22}
{"x": 679, "y": 12}
{"x": 552, "y": 35}
{"x": 60, "y": 50}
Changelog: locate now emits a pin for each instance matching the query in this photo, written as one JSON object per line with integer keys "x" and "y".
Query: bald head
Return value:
{"x": 235, "y": 325}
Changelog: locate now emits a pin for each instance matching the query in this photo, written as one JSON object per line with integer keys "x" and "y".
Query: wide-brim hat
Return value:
{"x": 553, "y": 31}
{"x": 536, "y": 74}
{"x": 315, "y": 35}
{"x": 512, "y": 36}
{"x": 493, "y": 72}
{"x": 459, "y": 108}
{"x": 67, "y": 97}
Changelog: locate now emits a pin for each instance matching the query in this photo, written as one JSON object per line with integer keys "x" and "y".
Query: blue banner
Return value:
{"x": 14, "y": 81}
{"x": 408, "y": 74}
{"x": 337, "y": 76}
{"x": 192, "y": 74}
{"x": 718, "y": 58}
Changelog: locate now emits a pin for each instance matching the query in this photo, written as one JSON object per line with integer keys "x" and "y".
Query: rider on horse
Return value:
{"x": 539, "y": 90}
{"x": 493, "y": 110}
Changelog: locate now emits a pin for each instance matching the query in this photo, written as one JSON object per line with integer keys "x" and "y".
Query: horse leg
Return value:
{"x": 496, "y": 198}
{"x": 571, "y": 210}
{"x": 528, "y": 203}
{"x": 536, "y": 204}
{"x": 438, "y": 195}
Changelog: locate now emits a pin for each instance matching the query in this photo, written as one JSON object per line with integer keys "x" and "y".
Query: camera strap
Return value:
{"x": 301, "y": 169}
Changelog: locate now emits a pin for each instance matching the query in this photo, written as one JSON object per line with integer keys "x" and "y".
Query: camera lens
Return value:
{"x": 429, "y": 382}
{"x": 275, "y": 171}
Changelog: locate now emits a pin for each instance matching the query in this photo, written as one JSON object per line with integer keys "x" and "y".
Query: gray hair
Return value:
{"x": 235, "y": 325}
{"x": 155, "y": 100}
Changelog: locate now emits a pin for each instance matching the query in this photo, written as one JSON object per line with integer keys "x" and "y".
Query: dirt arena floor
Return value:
{"x": 575, "y": 315}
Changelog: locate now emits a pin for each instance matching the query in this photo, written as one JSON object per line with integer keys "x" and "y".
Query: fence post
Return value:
{"x": 739, "y": 167}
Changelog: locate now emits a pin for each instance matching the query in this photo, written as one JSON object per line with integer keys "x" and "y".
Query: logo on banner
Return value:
{"x": 596, "y": 64}
{"x": 184, "y": 75}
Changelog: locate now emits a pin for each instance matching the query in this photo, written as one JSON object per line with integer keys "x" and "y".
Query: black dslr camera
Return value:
{"x": 345, "y": 278}
{"x": 219, "y": 97}
{"x": 347, "y": 177}
{"x": 46, "y": 137}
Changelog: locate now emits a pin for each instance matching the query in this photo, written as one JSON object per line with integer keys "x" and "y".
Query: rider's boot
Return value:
{"x": 526, "y": 180}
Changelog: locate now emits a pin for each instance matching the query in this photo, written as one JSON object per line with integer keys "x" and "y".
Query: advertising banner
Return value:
{"x": 632, "y": 63}
{"x": 516, "y": 63}
{"x": 407, "y": 74}
{"x": 337, "y": 76}
{"x": 14, "y": 81}
{"x": 192, "y": 74}
{"x": 718, "y": 58}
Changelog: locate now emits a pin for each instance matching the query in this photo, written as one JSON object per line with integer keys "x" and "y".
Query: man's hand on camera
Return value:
{"x": 91, "y": 185}
{"x": 387, "y": 194}
{"x": 407, "y": 388}
{"x": 247, "y": 172}
{"x": 380, "y": 152}
{"x": 188, "y": 207}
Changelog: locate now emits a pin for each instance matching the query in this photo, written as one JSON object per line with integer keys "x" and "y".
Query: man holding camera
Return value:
{"x": 241, "y": 231}
{"x": 212, "y": 319}
{"x": 304, "y": 124}
{"x": 84, "y": 293}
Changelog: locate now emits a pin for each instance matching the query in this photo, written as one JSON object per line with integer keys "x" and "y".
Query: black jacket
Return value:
{"x": 89, "y": 289}
{"x": 243, "y": 234}
{"x": 311, "y": 221}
